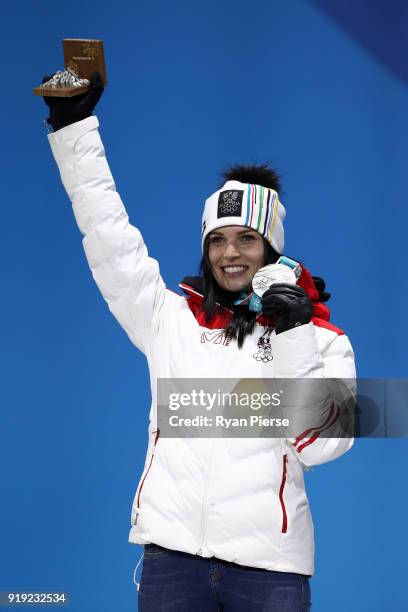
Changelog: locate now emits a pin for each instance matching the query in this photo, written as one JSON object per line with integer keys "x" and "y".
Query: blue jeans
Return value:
{"x": 173, "y": 581}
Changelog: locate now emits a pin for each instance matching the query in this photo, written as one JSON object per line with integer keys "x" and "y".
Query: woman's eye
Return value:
{"x": 248, "y": 238}
{"x": 215, "y": 240}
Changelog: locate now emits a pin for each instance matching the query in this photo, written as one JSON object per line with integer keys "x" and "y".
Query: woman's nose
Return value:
{"x": 231, "y": 251}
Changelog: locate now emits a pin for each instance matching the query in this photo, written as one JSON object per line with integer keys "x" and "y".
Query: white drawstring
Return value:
{"x": 134, "y": 573}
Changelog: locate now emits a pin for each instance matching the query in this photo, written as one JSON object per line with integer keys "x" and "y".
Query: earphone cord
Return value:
{"x": 134, "y": 573}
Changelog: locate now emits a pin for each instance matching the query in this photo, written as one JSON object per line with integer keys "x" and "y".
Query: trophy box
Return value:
{"x": 81, "y": 57}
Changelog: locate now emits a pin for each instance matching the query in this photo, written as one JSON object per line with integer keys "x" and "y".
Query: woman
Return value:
{"x": 225, "y": 522}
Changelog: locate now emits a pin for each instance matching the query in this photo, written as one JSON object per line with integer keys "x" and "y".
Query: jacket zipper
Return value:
{"x": 283, "y": 482}
{"x": 204, "y": 510}
{"x": 157, "y": 432}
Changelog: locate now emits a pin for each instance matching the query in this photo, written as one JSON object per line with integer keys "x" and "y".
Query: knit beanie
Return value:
{"x": 247, "y": 205}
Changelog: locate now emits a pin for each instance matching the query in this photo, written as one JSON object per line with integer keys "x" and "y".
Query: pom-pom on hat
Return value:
{"x": 247, "y": 205}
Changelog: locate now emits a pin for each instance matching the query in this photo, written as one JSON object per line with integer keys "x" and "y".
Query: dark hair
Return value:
{"x": 243, "y": 320}
{"x": 260, "y": 174}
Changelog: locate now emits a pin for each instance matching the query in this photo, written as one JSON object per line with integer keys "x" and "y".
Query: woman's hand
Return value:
{"x": 289, "y": 303}
{"x": 320, "y": 284}
{"x": 64, "y": 111}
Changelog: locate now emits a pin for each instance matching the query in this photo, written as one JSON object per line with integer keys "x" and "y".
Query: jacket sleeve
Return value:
{"x": 127, "y": 277}
{"x": 322, "y": 410}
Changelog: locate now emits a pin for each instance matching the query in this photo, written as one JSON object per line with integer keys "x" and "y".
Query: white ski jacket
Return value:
{"x": 238, "y": 499}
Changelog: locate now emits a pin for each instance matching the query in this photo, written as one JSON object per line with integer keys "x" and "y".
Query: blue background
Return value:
{"x": 320, "y": 89}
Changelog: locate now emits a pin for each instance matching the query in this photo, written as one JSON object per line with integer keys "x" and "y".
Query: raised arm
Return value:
{"x": 127, "y": 277}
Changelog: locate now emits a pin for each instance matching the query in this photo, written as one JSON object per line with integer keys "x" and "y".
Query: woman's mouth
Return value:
{"x": 233, "y": 271}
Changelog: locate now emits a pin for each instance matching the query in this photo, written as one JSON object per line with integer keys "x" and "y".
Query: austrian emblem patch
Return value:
{"x": 230, "y": 203}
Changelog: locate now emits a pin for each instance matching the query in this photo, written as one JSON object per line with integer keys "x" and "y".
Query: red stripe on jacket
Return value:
{"x": 332, "y": 418}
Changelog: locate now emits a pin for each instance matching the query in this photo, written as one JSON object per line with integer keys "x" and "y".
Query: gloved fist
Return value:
{"x": 320, "y": 284}
{"x": 289, "y": 303}
{"x": 64, "y": 111}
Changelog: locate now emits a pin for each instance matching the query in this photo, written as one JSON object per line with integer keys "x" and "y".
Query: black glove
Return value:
{"x": 289, "y": 303}
{"x": 64, "y": 111}
{"x": 320, "y": 284}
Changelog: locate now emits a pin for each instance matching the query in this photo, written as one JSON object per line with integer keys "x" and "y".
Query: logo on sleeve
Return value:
{"x": 230, "y": 203}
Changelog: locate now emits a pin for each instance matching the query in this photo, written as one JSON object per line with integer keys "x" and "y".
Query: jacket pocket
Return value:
{"x": 282, "y": 494}
{"x": 156, "y": 438}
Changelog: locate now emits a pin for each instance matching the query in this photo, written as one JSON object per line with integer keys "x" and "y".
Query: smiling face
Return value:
{"x": 235, "y": 254}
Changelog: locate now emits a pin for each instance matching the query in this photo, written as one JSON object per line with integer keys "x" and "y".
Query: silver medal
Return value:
{"x": 272, "y": 275}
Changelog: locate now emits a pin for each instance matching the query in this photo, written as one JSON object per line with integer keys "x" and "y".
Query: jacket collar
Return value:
{"x": 193, "y": 286}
